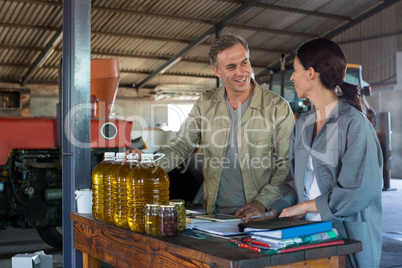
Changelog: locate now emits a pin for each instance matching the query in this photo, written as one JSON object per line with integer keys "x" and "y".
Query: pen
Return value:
{"x": 234, "y": 240}
{"x": 259, "y": 243}
{"x": 247, "y": 246}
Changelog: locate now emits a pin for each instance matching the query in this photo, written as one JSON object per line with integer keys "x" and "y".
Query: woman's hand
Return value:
{"x": 299, "y": 210}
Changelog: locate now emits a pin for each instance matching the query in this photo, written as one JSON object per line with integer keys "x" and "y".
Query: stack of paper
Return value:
{"x": 276, "y": 243}
{"x": 226, "y": 228}
{"x": 193, "y": 221}
{"x": 277, "y": 234}
{"x": 217, "y": 217}
{"x": 288, "y": 233}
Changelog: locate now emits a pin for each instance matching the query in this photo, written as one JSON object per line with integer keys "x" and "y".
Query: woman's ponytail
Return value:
{"x": 351, "y": 94}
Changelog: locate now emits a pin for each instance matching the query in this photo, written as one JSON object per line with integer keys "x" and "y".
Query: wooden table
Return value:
{"x": 102, "y": 241}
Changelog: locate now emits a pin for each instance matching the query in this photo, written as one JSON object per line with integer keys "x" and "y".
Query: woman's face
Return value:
{"x": 300, "y": 79}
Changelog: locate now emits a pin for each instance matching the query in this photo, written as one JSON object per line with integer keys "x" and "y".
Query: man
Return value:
{"x": 245, "y": 132}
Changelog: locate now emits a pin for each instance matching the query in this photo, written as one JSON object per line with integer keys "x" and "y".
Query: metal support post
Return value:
{"x": 385, "y": 141}
{"x": 75, "y": 115}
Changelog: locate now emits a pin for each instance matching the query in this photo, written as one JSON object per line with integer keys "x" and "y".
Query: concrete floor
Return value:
{"x": 14, "y": 241}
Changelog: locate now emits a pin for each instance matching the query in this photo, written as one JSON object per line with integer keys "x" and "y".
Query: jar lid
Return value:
{"x": 176, "y": 201}
{"x": 168, "y": 206}
{"x": 152, "y": 205}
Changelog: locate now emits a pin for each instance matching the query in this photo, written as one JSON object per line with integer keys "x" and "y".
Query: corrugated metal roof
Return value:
{"x": 373, "y": 43}
{"x": 145, "y": 34}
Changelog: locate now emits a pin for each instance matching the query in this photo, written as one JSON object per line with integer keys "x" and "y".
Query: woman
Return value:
{"x": 335, "y": 157}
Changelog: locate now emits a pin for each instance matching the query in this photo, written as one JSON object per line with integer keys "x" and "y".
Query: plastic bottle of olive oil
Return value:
{"x": 97, "y": 184}
{"x": 107, "y": 187}
{"x": 147, "y": 183}
{"x": 119, "y": 188}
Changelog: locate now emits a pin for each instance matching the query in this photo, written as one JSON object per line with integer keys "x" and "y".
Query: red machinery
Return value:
{"x": 30, "y": 158}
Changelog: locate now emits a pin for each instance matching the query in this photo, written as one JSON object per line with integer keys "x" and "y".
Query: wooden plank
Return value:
{"x": 123, "y": 248}
{"x": 150, "y": 250}
{"x": 121, "y": 251}
{"x": 330, "y": 262}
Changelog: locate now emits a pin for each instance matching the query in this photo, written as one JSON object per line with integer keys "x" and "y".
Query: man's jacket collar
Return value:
{"x": 219, "y": 95}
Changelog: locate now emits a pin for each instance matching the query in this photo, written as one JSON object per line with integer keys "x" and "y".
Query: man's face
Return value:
{"x": 234, "y": 69}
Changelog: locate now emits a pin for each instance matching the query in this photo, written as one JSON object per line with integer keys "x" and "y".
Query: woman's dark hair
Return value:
{"x": 327, "y": 58}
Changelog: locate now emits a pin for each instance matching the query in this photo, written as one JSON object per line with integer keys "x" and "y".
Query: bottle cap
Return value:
{"x": 109, "y": 156}
{"x": 147, "y": 158}
{"x": 131, "y": 157}
{"x": 120, "y": 156}
{"x": 151, "y": 157}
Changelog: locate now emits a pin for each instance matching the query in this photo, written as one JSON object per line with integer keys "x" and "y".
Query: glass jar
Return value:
{"x": 152, "y": 219}
{"x": 181, "y": 213}
{"x": 168, "y": 220}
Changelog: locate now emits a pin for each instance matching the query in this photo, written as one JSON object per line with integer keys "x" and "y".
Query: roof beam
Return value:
{"x": 150, "y": 57}
{"x": 25, "y": 66}
{"x": 270, "y": 30}
{"x": 171, "y": 74}
{"x": 40, "y": 2}
{"x": 130, "y": 55}
{"x": 27, "y": 26}
{"x": 17, "y": 47}
{"x": 16, "y": 65}
{"x": 165, "y": 39}
{"x": 155, "y": 38}
{"x": 235, "y": 13}
{"x": 44, "y": 56}
{"x": 305, "y": 12}
{"x": 372, "y": 37}
{"x": 142, "y": 36}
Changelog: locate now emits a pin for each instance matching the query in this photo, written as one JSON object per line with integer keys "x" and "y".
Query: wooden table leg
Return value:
{"x": 90, "y": 262}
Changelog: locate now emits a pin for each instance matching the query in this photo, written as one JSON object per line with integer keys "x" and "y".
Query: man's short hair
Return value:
{"x": 224, "y": 42}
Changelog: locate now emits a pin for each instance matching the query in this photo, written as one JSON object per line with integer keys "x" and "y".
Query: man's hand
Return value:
{"x": 258, "y": 217}
{"x": 253, "y": 208}
{"x": 133, "y": 151}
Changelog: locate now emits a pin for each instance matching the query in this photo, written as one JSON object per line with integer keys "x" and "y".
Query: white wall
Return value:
{"x": 144, "y": 113}
{"x": 43, "y": 105}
